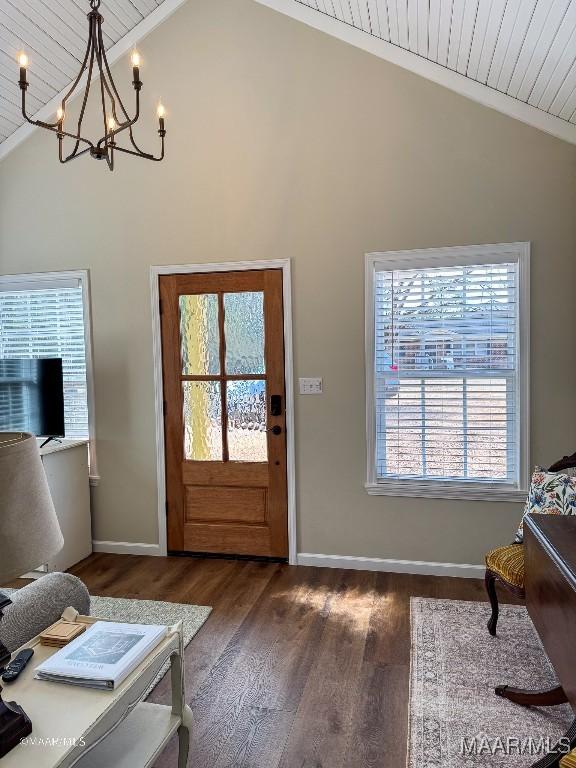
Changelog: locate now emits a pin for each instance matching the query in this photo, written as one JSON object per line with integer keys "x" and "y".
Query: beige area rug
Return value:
{"x": 456, "y": 720}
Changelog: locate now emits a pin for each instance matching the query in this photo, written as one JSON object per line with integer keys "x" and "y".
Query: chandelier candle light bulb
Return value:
{"x": 135, "y": 59}
{"x": 95, "y": 64}
{"x": 23, "y": 62}
{"x": 161, "y": 112}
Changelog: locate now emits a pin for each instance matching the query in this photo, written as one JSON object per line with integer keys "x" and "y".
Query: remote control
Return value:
{"x": 17, "y": 665}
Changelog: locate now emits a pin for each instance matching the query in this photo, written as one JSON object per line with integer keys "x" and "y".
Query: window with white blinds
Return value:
{"x": 447, "y": 340}
{"x": 45, "y": 316}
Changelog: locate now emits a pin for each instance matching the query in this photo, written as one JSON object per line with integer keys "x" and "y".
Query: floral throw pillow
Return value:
{"x": 551, "y": 493}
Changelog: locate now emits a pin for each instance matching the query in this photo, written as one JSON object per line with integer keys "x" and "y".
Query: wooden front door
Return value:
{"x": 224, "y": 412}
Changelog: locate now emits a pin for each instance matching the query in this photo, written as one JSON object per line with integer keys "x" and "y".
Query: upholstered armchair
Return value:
{"x": 505, "y": 565}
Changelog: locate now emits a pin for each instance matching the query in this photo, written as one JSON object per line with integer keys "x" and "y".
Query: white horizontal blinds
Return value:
{"x": 48, "y": 322}
{"x": 447, "y": 373}
{"x": 15, "y": 400}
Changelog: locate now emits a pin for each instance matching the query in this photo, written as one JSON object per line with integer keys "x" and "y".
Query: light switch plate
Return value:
{"x": 310, "y": 386}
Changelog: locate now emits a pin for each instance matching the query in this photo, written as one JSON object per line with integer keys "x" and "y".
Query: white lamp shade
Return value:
{"x": 29, "y": 530}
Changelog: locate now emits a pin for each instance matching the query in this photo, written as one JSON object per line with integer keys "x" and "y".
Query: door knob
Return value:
{"x": 276, "y": 430}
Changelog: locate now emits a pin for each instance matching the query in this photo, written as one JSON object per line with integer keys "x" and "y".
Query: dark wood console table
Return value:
{"x": 550, "y": 582}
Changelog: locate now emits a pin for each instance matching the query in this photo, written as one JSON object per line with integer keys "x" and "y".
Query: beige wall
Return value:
{"x": 283, "y": 143}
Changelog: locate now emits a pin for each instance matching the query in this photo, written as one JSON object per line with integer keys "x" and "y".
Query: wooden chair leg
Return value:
{"x": 490, "y": 581}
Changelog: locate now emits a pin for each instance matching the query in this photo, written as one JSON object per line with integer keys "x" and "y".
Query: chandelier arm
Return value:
{"x": 113, "y": 91}
{"x": 129, "y": 122}
{"x": 121, "y": 127}
{"x": 51, "y": 126}
{"x": 74, "y": 136}
{"x": 90, "y": 48}
{"x": 38, "y": 123}
{"x": 103, "y": 90}
{"x": 54, "y": 127}
{"x": 82, "y": 69}
{"x": 111, "y": 83}
{"x": 145, "y": 155}
{"x": 64, "y": 160}
{"x": 107, "y": 86}
{"x": 110, "y": 157}
{"x": 133, "y": 142}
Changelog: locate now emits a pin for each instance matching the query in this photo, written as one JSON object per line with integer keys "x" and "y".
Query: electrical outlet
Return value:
{"x": 310, "y": 386}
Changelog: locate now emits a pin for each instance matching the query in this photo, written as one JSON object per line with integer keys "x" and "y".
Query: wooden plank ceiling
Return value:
{"x": 53, "y": 33}
{"x": 515, "y": 55}
{"x": 523, "y": 48}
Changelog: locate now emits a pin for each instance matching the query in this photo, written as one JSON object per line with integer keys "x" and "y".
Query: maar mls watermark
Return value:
{"x": 52, "y": 741}
{"x": 513, "y": 745}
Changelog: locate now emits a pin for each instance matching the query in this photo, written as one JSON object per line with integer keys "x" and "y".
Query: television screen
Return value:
{"x": 32, "y": 396}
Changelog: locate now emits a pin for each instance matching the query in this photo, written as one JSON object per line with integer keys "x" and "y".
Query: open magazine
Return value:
{"x": 103, "y": 656}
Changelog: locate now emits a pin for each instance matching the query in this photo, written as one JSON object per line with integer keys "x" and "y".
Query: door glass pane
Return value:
{"x": 199, "y": 335}
{"x": 244, "y": 332}
{"x": 246, "y": 402}
{"x": 202, "y": 421}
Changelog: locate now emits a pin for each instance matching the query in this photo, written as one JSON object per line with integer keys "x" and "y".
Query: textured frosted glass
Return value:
{"x": 244, "y": 332}
{"x": 199, "y": 335}
{"x": 202, "y": 421}
{"x": 247, "y": 421}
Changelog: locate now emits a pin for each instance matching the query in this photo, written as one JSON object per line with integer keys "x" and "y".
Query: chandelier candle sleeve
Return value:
{"x": 116, "y": 120}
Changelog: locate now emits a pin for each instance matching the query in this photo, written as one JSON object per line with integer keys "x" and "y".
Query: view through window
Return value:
{"x": 446, "y": 378}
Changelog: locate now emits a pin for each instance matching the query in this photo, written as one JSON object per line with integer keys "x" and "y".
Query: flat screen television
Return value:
{"x": 32, "y": 396}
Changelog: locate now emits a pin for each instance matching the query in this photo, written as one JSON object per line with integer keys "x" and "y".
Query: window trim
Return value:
{"x": 452, "y": 256}
{"x": 26, "y": 281}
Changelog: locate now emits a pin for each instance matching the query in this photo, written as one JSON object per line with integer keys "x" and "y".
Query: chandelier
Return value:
{"x": 116, "y": 119}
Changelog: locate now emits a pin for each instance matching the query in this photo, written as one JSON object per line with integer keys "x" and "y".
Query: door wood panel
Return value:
{"x": 222, "y": 505}
{"x": 226, "y": 475}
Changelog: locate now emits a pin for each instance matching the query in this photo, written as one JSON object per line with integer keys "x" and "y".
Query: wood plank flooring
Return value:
{"x": 296, "y": 667}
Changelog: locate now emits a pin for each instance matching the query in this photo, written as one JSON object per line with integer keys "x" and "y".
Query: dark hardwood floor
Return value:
{"x": 296, "y": 667}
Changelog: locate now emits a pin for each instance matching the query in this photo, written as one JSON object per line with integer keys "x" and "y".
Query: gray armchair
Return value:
{"x": 40, "y": 604}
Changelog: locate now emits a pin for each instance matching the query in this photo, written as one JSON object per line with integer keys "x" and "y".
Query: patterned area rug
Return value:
{"x": 456, "y": 721}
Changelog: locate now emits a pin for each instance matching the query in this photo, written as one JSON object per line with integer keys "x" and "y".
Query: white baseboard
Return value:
{"x": 126, "y": 548}
{"x": 392, "y": 566}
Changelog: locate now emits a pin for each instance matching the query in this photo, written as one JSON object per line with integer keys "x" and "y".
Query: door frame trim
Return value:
{"x": 228, "y": 266}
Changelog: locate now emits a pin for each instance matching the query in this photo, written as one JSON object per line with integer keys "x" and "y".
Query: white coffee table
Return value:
{"x": 88, "y": 728}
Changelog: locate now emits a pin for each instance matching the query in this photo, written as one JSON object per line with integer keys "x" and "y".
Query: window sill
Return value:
{"x": 444, "y": 490}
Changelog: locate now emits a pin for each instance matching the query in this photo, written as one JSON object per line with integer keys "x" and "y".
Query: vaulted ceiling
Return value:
{"x": 517, "y": 56}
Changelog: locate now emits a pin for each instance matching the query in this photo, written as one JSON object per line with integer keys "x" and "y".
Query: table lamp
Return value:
{"x": 29, "y": 537}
